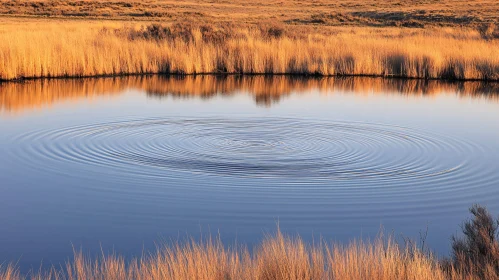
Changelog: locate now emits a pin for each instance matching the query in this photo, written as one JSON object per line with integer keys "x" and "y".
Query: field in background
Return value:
{"x": 419, "y": 13}
{"x": 455, "y": 40}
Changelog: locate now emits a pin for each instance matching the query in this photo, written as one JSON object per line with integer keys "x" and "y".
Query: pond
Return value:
{"x": 123, "y": 164}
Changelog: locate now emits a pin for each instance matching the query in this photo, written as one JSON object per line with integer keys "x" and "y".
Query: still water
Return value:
{"x": 121, "y": 164}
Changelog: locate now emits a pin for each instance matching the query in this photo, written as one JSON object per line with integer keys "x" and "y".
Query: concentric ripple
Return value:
{"x": 285, "y": 148}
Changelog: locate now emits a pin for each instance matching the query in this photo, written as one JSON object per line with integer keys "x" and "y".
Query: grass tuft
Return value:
{"x": 281, "y": 257}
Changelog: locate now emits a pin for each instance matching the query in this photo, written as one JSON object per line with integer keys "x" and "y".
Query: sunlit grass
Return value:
{"x": 317, "y": 12}
{"x": 69, "y": 48}
{"x": 474, "y": 255}
{"x": 277, "y": 257}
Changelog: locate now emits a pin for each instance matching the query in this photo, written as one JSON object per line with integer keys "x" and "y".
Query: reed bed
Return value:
{"x": 61, "y": 48}
{"x": 475, "y": 255}
{"x": 277, "y": 257}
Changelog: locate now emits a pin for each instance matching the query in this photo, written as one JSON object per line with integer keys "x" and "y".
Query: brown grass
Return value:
{"x": 475, "y": 256}
{"x": 318, "y": 12}
{"x": 59, "y": 48}
{"x": 278, "y": 257}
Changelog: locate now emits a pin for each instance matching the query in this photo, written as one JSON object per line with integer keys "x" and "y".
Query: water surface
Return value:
{"x": 122, "y": 163}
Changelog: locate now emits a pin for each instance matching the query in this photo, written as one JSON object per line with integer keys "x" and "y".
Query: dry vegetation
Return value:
{"x": 277, "y": 258}
{"x": 69, "y": 48}
{"x": 16, "y": 97}
{"x": 455, "y": 40}
{"x": 475, "y": 256}
{"x": 415, "y": 13}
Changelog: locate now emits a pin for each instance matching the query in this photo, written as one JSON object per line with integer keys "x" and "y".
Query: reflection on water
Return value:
{"x": 266, "y": 90}
{"x": 152, "y": 162}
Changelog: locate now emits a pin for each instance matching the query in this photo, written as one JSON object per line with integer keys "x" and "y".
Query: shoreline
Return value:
{"x": 270, "y": 75}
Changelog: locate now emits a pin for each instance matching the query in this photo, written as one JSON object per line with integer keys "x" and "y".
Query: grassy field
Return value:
{"x": 475, "y": 255}
{"x": 455, "y": 40}
{"x": 318, "y": 12}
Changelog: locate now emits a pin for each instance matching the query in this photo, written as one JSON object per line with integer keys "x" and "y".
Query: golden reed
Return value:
{"x": 65, "y": 48}
{"x": 277, "y": 258}
{"x": 475, "y": 255}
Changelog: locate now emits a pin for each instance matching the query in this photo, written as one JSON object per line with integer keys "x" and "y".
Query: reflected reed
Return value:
{"x": 266, "y": 90}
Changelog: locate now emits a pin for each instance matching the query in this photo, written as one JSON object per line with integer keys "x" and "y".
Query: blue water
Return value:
{"x": 123, "y": 164}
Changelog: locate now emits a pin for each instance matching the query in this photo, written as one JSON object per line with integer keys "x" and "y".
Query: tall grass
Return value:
{"x": 64, "y": 49}
{"x": 277, "y": 257}
{"x": 475, "y": 255}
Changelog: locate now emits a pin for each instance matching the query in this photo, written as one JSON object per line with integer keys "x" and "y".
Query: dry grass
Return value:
{"x": 317, "y": 12}
{"x": 16, "y": 97}
{"x": 92, "y": 48}
{"x": 456, "y": 40}
{"x": 278, "y": 257}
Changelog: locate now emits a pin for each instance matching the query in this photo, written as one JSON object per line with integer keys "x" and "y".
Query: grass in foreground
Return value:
{"x": 76, "y": 48}
{"x": 475, "y": 256}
